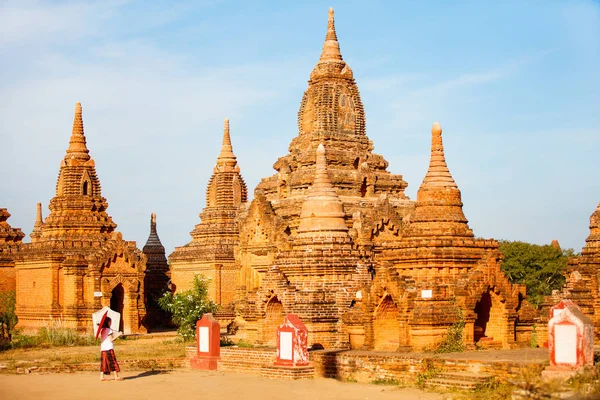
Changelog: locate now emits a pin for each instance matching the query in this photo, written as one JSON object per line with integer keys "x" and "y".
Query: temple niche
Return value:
{"x": 332, "y": 237}
{"x": 77, "y": 262}
{"x": 10, "y": 242}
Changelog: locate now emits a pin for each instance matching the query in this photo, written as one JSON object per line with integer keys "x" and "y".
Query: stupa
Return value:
{"x": 211, "y": 250}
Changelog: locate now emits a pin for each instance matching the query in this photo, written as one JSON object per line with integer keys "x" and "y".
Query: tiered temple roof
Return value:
{"x": 332, "y": 113}
{"x": 438, "y": 211}
{"x": 213, "y": 238}
{"x": 154, "y": 249}
{"x": 78, "y": 210}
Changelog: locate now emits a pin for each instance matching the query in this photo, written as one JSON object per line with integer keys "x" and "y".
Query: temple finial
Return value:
{"x": 226, "y": 158}
{"x": 37, "y": 226}
{"x": 331, "y": 48}
{"x": 38, "y": 218}
{"x": 438, "y": 173}
{"x": 77, "y": 145}
{"x": 153, "y": 239}
{"x": 226, "y": 135}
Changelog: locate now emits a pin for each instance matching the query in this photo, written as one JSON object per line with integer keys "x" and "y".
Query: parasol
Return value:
{"x": 99, "y": 316}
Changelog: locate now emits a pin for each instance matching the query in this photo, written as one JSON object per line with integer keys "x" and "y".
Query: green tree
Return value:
{"x": 540, "y": 268}
{"x": 187, "y": 307}
{"x": 8, "y": 317}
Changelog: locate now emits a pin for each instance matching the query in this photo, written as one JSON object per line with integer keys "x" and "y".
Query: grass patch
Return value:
{"x": 428, "y": 370}
{"x": 386, "y": 381}
{"x": 244, "y": 344}
{"x": 56, "y": 356}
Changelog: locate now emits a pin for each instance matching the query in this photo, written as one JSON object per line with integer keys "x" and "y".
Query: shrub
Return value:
{"x": 56, "y": 334}
{"x": 453, "y": 342}
{"x": 188, "y": 307}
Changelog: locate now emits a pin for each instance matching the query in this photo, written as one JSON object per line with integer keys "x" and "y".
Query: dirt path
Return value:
{"x": 193, "y": 385}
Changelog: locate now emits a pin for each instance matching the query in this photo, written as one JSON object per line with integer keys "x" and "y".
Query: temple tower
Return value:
{"x": 453, "y": 277}
{"x": 157, "y": 277}
{"x": 77, "y": 262}
{"x": 583, "y": 276}
{"x": 331, "y": 112}
{"x": 333, "y": 237}
{"x": 211, "y": 251}
{"x": 10, "y": 242}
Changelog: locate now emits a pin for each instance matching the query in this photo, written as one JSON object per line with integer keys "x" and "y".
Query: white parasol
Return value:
{"x": 99, "y": 316}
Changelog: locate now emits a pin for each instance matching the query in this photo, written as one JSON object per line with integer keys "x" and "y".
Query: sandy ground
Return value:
{"x": 193, "y": 385}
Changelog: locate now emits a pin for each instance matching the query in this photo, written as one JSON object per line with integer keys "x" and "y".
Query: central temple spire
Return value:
{"x": 331, "y": 47}
{"x": 77, "y": 145}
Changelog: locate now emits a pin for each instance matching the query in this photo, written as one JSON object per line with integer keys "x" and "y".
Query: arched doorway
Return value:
{"x": 386, "y": 328}
{"x": 489, "y": 324}
{"x": 273, "y": 318}
{"x": 117, "y": 302}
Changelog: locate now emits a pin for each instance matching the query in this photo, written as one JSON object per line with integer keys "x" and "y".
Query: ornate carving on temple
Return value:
{"x": 10, "y": 242}
{"x": 77, "y": 262}
{"x": 211, "y": 250}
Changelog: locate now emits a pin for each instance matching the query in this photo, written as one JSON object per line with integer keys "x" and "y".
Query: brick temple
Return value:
{"x": 77, "y": 262}
{"x": 333, "y": 238}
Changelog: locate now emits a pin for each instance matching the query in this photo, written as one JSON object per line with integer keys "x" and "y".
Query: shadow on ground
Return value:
{"x": 145, "y": 374}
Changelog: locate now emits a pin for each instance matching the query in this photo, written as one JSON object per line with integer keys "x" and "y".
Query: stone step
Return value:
{"x": 464, "y": 376}
{"x": 450, "y": 383}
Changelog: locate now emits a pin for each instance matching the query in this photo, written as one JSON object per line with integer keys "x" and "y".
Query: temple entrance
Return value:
{"x": 488, "y": 325}
{"x": 386, "y": 328}
{"x": 117, "y": 302}
{"x": 273, "y": 318}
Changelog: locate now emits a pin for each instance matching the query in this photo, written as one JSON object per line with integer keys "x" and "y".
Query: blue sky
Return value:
{"x": 514, "y": 84}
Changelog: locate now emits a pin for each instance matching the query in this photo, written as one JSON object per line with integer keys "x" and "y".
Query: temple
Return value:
{"x": 77, "y": 262}
{"x": 333, "y": 238}
{"x": 157, "y": 278}
{"x": 211, "y": 250}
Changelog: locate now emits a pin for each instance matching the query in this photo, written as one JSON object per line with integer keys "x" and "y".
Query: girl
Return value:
{"x": 108, "y": 361}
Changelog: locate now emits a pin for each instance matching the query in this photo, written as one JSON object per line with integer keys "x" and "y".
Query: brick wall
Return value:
{"x": 364, "y": 366}
{"x": 7, "y": 277}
